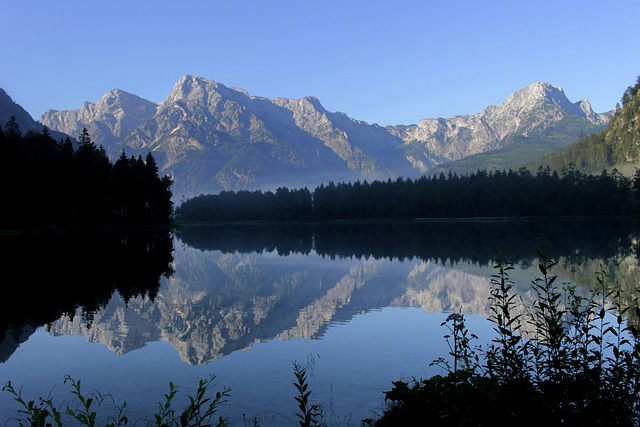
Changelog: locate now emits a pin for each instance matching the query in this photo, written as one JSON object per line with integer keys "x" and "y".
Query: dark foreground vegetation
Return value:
{"x": 481, "y": 194}
{"x": 569, "y": 359}
{"x": 61, "y": 183}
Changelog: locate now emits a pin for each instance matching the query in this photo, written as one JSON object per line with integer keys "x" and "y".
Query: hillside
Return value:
{"x": 617, "y": 146}
{"x": 9, "y": 108}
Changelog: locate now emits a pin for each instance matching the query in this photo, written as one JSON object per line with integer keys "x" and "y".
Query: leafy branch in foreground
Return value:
{"x": 202, "y": 408}
{"x": 310, "y": 414}
{"x": 36, "y": 415}
{"x": 575, "y": 362}
{"x": 84, "y": 415}
{"x": 198, "y": 413}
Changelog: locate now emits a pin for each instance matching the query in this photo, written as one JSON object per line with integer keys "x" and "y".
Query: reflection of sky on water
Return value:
{"x": 352, "y": 364}
{"x": 366, "y": 322}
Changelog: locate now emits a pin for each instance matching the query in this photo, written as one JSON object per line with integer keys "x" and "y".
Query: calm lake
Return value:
{"x": 361, "y": 305}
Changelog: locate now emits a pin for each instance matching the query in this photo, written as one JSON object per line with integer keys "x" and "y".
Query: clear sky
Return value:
{"x": 385, "y": 62}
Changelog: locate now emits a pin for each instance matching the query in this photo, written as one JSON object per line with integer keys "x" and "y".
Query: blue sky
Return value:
{"x": 385, "y": 62}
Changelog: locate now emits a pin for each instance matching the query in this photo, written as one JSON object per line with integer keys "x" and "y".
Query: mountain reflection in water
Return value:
{"x": 208, "y": 291}
{"x": 225, "y": 287}
{"x": 46, "y": 276}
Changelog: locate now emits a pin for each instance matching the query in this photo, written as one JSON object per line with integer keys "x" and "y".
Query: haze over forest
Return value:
{"x": 210, "y": 138}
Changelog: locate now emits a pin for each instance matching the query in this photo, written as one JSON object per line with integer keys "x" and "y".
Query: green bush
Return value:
{"x": 569, "y": 359}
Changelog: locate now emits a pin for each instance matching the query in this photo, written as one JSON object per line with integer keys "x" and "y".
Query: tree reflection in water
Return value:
{"x": 47, "y": 276}
{"x": 208, "y": 291}
{"x": 66, "y": 275}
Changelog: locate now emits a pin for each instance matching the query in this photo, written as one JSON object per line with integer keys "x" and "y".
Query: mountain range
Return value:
{"x": 210, "y": 137}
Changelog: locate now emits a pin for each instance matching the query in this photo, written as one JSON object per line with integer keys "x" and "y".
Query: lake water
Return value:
{"x": 360, "y": 305}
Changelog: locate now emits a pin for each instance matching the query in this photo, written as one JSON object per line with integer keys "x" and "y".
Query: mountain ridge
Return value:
{"x": 524, "y": 113}
{"x": 112, "y": 117}
{"x": 615, "y": 147}
{"x": 210, "y": 137}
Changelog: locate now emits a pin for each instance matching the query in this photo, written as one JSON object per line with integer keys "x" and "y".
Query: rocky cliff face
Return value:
{"x": 526, "y": 112}
{"x": 109, "y": 120}
{"x": 210, "y": 137}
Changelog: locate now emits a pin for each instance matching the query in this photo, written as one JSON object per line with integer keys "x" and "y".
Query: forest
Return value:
{"x": 64, "y": 183}
{"x": 513, "y": 194}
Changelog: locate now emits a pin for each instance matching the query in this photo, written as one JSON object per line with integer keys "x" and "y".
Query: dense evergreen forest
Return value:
{"x": 482, "y": 194}
{"x": 46, "y": 182}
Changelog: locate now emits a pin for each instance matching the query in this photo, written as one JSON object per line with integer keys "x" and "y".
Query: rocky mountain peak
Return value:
{"x": 185, "y": 87}
{"x": 119, "y": 96}
{"x": 114, "y": 116}
{"x": 314, "y": 102}
{"x": 212, "y": 137}
{"x": 546, "y": 91}
{"x": 527, "y": 113}
{"x": 536, "y": 94}
{"x": 199, "y": 88}
{"x": 544, "y": 95}
{"x": 592, "y": 116}
{"x": 308, "y": 105}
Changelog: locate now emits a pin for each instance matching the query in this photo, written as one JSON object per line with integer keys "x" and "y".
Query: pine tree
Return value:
{"x": 12, "y": 129}
{"x": 84, "y": 139}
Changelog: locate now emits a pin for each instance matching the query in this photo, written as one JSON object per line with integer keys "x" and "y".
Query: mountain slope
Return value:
{"x": 9, "y": 108}
{"x": 109, "y": 120}
{"x": 617, "y": 146}
{"x": 210, "y": 137}
{"x": 530, "y": 123}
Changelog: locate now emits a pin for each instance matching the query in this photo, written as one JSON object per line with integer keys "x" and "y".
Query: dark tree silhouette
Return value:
{"x": 56, "y": 183}
{"x": 481, "y": 194}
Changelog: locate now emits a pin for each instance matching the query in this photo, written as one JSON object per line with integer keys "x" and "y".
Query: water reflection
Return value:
{"x": 48, "y": 276}
{"x": 474, "y": 241}
{"x": 225, "y": 288}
